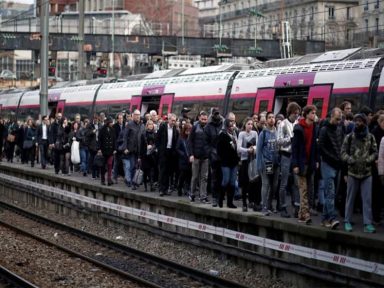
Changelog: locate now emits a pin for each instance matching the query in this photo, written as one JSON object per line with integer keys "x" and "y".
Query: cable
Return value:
{"x": 13, "y": 19}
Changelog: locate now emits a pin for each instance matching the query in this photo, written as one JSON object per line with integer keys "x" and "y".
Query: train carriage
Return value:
{"x": 323, "y": 82}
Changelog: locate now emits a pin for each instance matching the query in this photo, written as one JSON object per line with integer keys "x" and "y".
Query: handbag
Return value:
{"x": 99, "y": 161}
{"x": 75, "y": 152}
{"x": 138, "y": 177}
{"x": 252, "y": 169}
{"x": 11, "y": 138}
{"x": 27, "y": 144}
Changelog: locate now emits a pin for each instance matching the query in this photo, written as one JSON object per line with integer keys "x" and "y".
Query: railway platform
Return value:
{"x": 281, "y": 246}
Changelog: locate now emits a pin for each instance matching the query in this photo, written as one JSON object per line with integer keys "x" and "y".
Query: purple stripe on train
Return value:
{"x": 301, "y": 79}
{"x": 153, "y": 90}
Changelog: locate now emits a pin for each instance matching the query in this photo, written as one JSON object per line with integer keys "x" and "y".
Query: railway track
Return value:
{"x": 10, "y": 279}
{"x": 141, "y": 267}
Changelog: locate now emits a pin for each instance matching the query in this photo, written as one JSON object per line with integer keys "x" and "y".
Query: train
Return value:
{"x": 324, "y": 80}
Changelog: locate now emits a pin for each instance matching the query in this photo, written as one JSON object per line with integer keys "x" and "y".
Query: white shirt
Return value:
{"x": 170, "y": 135}
{"x": 44, "y": 128}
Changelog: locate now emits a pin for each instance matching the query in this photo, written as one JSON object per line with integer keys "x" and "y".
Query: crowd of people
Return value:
{"x": 320, "y": 165}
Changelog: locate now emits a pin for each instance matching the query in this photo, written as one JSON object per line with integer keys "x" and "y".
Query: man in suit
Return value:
{"x": 43, "y": 141}
{"x": 166, "y": 144}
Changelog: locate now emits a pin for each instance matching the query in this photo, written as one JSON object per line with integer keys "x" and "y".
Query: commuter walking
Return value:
{"x": 213, "y": 129}
{"x": 229, "y": 159}
{"x": 11, "y": 139}
{"x": 166, "y": 141}
{"x": 330, "y": 141}
{"x": 284, "y": 142}
{"x": 305, "y": 160}
{"x": 43, "y": 141}
{"x": 63, "y": 146}
{"x": 55, "y": 146}
{"x": 267, "y": 160}
{"x": 130, "y": 150}
{"x": 359, "y": 151}
{"x": 185, "y": 167}
{"x": 246, "y": 146}
{"x": 148, "y": 156}
{"x": 29, "y": 144}
{"x": 199, "y": 152}
{"x": 107, "y": 142}
{"x": 85, "y": 132}
{"x": 118, "y": 127}
{"x": 377, "y": 191}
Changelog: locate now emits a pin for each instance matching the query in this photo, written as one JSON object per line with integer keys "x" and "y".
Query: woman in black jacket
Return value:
{"x": 148, "y": 155}
{"x": 227, "y": 152}
{"x": 184, "y": 163}
{"x": 29, "y": 144}
{"x": 63, "y": 146}
{"x": 107, "y": 143}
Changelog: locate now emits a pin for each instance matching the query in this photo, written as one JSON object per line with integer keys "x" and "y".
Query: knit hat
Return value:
{"x": 361, "y": 116}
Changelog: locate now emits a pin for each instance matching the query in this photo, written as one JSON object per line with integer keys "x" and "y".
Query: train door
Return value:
{"x": 264, "y": 100}
{"x": 319, "y": 96}
{"x": 56, "y": 107}
{"x": 165, "y": 104}
{"x": 136, "y": 103}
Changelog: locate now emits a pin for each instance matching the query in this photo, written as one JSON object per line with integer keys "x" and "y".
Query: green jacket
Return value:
{"x": 359, "y": 153}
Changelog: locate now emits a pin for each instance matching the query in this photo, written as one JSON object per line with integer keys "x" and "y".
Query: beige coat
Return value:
{"x": 381, "y": 157}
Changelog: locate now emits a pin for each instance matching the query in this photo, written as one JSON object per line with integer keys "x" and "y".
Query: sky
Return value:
{"x": 20, "y": 1}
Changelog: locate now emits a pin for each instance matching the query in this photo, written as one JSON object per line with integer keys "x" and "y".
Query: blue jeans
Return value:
{"x": 84, "y": 156}
{"x": 329, "y": 175}
{"x": 129, "y": 163}
{"x": 229, "y": 176}
{"x": 353, "y": 186}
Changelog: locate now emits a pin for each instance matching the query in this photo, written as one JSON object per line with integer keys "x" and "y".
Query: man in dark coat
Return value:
{"x": 52, "y": 137}
{"x": 166, "y": 144}
{"x": 330, "y": 141}
{"x": 107, "y": 144}
{"x": 43, "y": 140}
{"x": 214, "y": 126}
{"x": 131, "y": 144}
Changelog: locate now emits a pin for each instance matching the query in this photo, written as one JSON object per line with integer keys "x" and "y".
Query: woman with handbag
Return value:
{"x": 29, "y": 144}
{"x": 11, "y": 140}
{"x": 148, "y": 155}
{"x": 246, "y": 147}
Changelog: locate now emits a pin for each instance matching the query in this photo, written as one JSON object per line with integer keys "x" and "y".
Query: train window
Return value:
{"x": 318, "y": 102}
{"x": 164, "y": 110}
{"x": 116, "y": 108}
{"x": 357, "y": 100}
{"x": 242, "y": 108}
{"x": 263, "y": 106}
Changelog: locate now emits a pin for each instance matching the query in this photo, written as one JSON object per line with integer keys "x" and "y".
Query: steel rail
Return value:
{"x": 14, "y": 279}
{"x": 194, "y": 274}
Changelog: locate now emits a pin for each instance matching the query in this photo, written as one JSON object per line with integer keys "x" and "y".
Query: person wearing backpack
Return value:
{"x": 267, "y": 160}
{"x": 359, "y": 151}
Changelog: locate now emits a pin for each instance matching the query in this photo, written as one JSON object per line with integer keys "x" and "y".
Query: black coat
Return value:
{"x": 227, "y": 150}
{"x": 107, "y": 141}
{"x": 148, "y": 160}
{"x": 132, "y": 137}
{"x": 162, "y": 139}
{"x": 198, "y": 142}
{"x": 330, "y": 141}
{"x": 212, "y": 130}
{"x": 183, "y": 153}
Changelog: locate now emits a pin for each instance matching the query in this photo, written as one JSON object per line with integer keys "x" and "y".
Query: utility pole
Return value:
{"x": 81, "y": 40}
{"x": 182, "y": 22}
{"x": 44, "y": 30}
{"x": 113, "y": 38}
